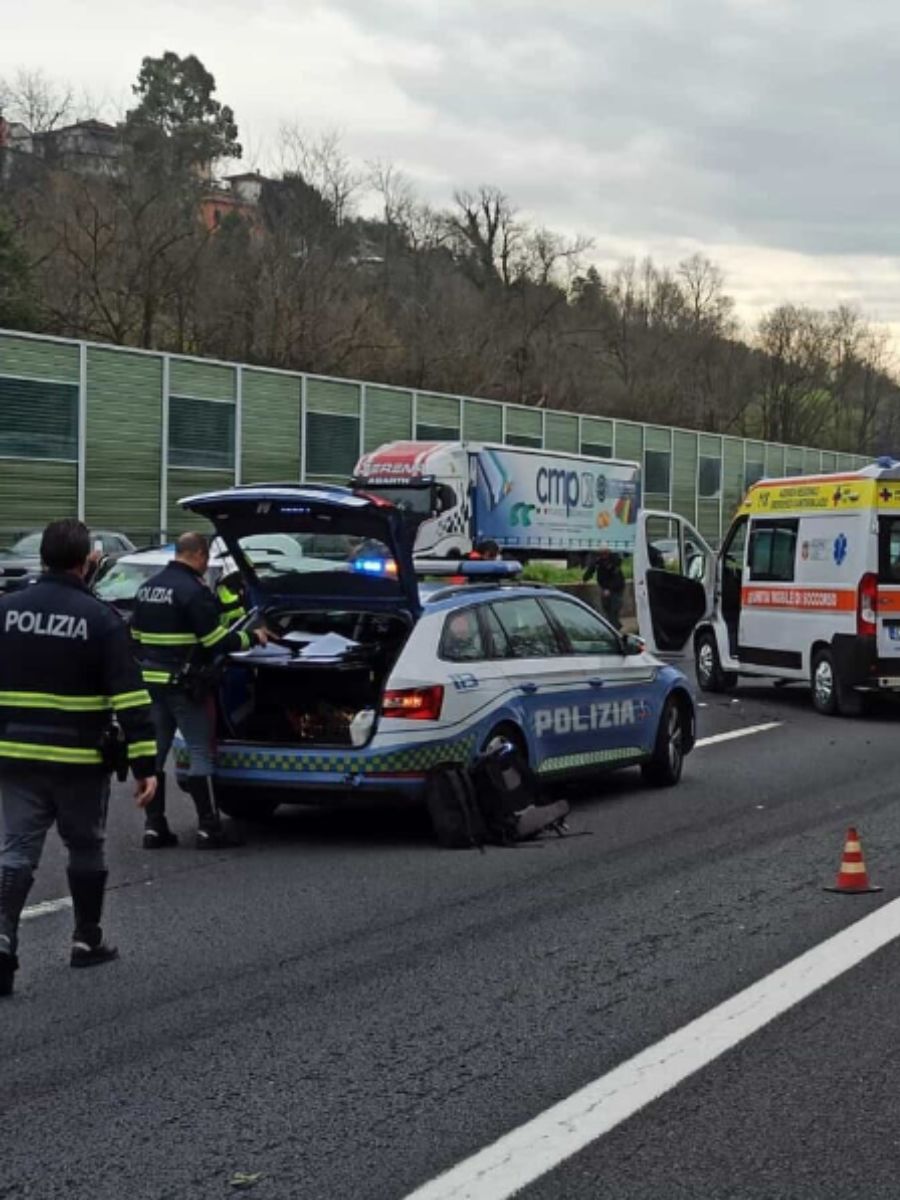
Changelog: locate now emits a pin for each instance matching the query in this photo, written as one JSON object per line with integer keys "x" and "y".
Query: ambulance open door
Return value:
{"x": 674, "y": 582}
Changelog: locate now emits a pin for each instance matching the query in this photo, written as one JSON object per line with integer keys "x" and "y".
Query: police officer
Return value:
{"x": 66, "y": 666}
{"x": 177, "y": 624}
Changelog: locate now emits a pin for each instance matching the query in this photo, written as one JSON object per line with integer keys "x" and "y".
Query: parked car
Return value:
{"x": 371, "y": 679}
{"x": 118, "y": 580}
{"x": 21, "y": 563}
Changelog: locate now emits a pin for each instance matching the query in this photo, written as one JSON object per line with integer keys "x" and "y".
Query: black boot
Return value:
{"x": 88, "y": 946}
{"x": 157, "y": 834}
{"x": 211, "y": 835}
{"x": 15, "y": 884}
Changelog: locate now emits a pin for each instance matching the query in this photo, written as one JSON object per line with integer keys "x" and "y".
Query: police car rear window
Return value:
{"x": 528, "y": 632}
{"x": 461, "y": 640}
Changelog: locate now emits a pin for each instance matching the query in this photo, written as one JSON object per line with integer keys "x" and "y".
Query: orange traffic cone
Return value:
{"x": 852, "y": 875}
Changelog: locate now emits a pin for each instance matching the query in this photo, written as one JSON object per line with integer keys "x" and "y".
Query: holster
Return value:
{"x": 114, "y": 751}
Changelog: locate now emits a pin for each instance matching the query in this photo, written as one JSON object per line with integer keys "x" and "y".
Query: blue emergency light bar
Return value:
{"x": 475, "y": 568}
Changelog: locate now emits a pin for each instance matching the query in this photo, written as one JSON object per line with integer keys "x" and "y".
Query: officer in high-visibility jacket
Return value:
{"x": 66, "y": 667}
{"x": 230, "y": 595}
{"x": 177, "y": 627}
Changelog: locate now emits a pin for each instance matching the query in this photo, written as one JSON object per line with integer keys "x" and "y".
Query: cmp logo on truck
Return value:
{"x": 567, "y": 489}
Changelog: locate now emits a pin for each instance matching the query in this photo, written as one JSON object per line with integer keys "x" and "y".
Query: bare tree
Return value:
{"x": 488, "y": 234}
{"x": 321, "y": 162}
{"x": 38, "y": 102}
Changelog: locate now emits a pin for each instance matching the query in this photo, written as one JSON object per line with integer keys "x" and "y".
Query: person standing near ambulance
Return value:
{"x": 66, "y": 666}
{"x": 178, "y": 629}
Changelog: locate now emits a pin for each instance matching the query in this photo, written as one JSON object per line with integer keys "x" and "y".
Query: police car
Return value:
{"x": 374, "y": 677}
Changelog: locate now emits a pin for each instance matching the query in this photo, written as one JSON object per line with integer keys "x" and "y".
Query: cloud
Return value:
{"x": 757, "y": 130}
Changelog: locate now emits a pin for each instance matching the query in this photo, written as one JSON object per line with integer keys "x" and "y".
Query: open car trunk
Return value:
{"x": 319, "y": 682}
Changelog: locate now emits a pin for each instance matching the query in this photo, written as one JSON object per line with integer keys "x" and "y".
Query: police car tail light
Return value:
{"x": 867, "y": 605}
{"x": 415, "y": 704}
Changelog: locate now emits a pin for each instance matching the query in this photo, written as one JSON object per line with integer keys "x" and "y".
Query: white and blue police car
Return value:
{"x": 373, "y": 677}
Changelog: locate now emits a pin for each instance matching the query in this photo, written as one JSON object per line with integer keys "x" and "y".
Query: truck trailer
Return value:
{"x": 535, "y": 503}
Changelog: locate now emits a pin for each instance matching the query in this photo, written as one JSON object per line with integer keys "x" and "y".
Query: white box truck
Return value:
{"x": 532, "y": 503}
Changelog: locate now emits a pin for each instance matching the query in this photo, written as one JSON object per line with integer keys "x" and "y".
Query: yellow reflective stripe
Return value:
{"x": 227, "y": 596}
{"x": 130, "y": 699}
{"x": 245, "y": 639}
{"x": 57, "y": 754}
{"x": 214, "y": 636}
{"x": 164, "y": 639}
{"x": 142, "y": 750}
{"x": 52, "y": 700}
{"x": 157, "y": 676}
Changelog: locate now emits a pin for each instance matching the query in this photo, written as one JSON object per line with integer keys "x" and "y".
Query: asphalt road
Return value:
{"x": 342, "y": 1010}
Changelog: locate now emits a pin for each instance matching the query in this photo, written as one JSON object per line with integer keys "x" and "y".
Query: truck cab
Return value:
{"x": 429, "y": 481}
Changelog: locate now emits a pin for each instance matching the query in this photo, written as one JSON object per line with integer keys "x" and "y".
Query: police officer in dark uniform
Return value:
{"x": 66, "y": 666}
{"x": 177, "y": 625}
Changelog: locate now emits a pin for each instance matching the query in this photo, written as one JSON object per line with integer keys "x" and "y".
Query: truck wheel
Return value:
{"x": 244, "y": 805}
{"x": 708, "y": 665}
{"x": 664, "y": 768}
{"x": 830, "y": 696}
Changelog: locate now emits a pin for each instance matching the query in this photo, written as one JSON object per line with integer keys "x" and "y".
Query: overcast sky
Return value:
{"x": 758, "y": 131}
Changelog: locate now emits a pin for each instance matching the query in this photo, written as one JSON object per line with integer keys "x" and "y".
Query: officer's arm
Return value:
{"x": 203, "y": 614}
{"x": 130, "y": 701}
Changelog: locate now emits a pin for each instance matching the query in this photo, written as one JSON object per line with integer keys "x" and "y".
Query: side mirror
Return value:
{"x": 632, "y": 644}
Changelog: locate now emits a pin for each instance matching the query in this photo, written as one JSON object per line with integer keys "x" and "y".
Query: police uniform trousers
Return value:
{"x": 195, "y": 719}
{"x": 31, "y": 802}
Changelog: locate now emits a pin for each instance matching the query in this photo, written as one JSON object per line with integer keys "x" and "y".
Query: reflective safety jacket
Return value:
{"x": 66, "y": 666}
{"x": 176, "y": 620}
{"x": 231, "y": 604}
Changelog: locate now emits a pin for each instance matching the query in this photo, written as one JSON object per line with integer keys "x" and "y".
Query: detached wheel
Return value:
{"x": 665, "y": 767}
{"x": 831, "y": 697}
{"x": 245, "y": 806}
{"x": 708, "y": 665}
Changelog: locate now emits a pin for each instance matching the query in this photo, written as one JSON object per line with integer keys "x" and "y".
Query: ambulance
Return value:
{"x": 805, "y": 589}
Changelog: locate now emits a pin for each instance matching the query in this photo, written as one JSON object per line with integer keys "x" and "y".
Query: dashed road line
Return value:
{"x": 519, "y": 1158}
{"x": 737, "y": 733}
{"x": 46, "y": 907}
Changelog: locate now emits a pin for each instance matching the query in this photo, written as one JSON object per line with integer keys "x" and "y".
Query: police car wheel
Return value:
{"x": 665, "y": 767}
{"x": 708, "y": 665}
{"x": 505, "y": 733}
{"x": 244, "y": 805}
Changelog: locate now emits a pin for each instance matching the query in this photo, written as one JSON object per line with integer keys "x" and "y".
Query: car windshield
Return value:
{"x": 310, "y": 553}
{"x": 28, "y": 546}
{"x": 122, "y": 580}
{"x": 410, "y": 499}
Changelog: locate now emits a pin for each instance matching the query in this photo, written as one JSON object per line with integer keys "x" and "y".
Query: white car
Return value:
{"x": 372, "y": 680}
{"x": 118, "y": 581}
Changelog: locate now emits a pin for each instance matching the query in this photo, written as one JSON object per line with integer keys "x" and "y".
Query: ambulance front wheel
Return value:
{"x": 830, "y": 696}
{"x": 708, "y": 665}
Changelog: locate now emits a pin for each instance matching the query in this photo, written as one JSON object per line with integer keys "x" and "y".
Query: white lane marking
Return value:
{"x": 737, "y": 733}
{"x": 46, "y": 907}
{"x": 524, "y": 1155}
